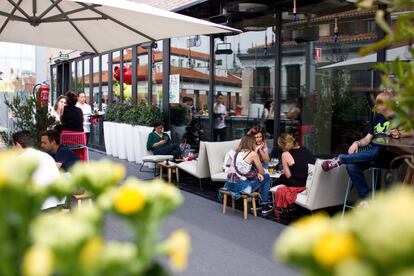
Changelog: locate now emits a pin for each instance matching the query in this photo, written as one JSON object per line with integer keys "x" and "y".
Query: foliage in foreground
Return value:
{"x": 378, "y": 240}
{"x": 36, "y": 243}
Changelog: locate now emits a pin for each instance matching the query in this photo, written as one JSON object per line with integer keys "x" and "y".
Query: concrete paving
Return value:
{"x": 221, "y": 244}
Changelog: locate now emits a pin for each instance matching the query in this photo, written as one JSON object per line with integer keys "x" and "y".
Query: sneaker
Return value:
{"x": 363, "y": 204}
{"x": 329, "y": 164}
{"x": 266, "y": 209}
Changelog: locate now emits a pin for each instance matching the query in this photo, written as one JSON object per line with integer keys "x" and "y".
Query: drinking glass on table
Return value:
{"x": 275, "y": 162}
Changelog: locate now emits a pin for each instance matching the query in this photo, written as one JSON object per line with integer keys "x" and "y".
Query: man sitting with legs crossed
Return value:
{"x": 357, "y": 161}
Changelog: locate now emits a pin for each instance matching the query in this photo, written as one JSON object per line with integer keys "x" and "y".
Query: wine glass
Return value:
{"x": 275, "y": 162}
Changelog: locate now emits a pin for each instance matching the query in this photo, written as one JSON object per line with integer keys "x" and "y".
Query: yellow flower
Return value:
{"x": 38, "y": 261}
{"x": 334, "y": 247}
{"x": 129, "y": 199}
{"x": 310, "y": 222}
{"x": 180, "y": 246}
{"x": 91, "y": 251}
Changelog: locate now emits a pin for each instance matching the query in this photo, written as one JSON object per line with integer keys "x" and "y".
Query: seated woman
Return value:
{"x": 295, "y": 160}
{"x": 260, "y": 147}
{"x": 239, "y": 167}
{"x": 160, "y": 143}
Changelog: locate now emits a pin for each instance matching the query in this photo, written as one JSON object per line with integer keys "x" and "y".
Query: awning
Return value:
{"x": 366, "y": 62}
{"x": 94, "y": 25}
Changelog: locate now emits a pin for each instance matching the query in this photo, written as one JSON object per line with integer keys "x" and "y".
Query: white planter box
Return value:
{"x": 112, "y": 138}
{"x": 130, "y": 139}
{"x": 120, "y": 140}
{"x": 106, "y": 129}
{"x": 137, "y": 144}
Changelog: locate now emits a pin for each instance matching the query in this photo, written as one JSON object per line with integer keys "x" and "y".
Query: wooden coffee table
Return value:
{"x": 171, "y": 168}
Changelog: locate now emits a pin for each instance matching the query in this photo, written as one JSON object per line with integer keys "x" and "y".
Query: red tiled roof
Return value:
{"x": 331, "y": 17}
{"x": 158, "y": 55}
{"x": 157, "y": 77}
{"x": 328, "y": 38}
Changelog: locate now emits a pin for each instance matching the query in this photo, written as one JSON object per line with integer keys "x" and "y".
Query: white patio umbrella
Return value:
{"x": 366, "y": 62}
{"x": 94, "y": 25}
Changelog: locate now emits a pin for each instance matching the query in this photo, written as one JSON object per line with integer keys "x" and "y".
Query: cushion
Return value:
{"x": 219, "y": 177}
{"x": 189, "y": 166}
{"x": 157, "y": 158}
{"x": 309, "y": 180}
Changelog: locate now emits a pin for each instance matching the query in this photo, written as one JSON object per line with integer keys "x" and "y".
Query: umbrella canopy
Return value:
{"x": 94, "y": 25}
{"x": 366, "y": 62}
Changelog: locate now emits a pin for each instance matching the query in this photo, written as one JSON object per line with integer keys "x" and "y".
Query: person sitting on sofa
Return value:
{"x": 159, "y": 143}
{"x": 295, "y": 160}
{"x": 239, "y": 177}
{"x": 261, "y": 146}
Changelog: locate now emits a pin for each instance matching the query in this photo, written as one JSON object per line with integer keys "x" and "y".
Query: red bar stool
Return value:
{"x": 75, "y": 141}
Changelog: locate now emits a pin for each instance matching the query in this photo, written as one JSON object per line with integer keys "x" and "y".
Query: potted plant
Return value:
{"x": 149, "y": 115}
{"x": 31, "y": 116}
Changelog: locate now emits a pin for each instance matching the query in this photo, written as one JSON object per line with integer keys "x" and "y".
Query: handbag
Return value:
{"x": 252, "y": 174}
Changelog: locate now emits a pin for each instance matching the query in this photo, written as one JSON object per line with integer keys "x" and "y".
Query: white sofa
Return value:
{"x": 198, "y": 168}
{"x": 327, "y": 189}
{"x": 216, "y": 152}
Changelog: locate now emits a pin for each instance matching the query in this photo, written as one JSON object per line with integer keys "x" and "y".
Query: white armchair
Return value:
{"x": 216, "y": 152}
{"x": 328, "y": 188}
{"x": 198, "y": 168}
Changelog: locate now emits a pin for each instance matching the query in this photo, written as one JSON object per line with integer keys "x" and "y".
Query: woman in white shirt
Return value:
{"x": 87, "y": 112}
{"x": 239, "y": 164}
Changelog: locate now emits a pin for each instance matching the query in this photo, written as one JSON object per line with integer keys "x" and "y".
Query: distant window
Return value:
{"x": 371, "y": 27}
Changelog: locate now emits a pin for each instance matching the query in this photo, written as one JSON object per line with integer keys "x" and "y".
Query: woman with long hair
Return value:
{"x": 72, "y": 118}
{"x": 261, "y": 146}
{"x": 160, "y": 142}
{"x": 57, "y": 110}
{"x": 246, "y": 173}
{"x": 295, "y": 160}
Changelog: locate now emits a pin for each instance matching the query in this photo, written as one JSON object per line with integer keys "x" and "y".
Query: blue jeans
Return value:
{"x": 255, "y": 184}
{"x": 356, "y": 163}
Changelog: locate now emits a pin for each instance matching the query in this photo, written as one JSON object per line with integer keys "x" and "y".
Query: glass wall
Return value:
{"x": 142, "y": 64}
{"x": 79, "y": 86}
{"x": 189, "y": 85}
{"x": 244, "y": 71}
{"x": 104, "y": 85}
{"x": 115, "y": 66}
{"x": 323, "y": 103}
{"x": 326, "y": 107}
{"x": 157, "y": 54}
{"x": 73, "y": 79}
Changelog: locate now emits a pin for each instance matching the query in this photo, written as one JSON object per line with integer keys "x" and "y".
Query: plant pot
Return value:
{"x": 129, "y": 142}
{"x": 112, "y": 138}
{"x": 137, "y": 144}
{"x": 108, "y": 146}
{"x": 120, "y": 140}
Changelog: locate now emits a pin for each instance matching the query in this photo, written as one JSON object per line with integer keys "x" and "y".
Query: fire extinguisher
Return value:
{"x": 42, "y": 93}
